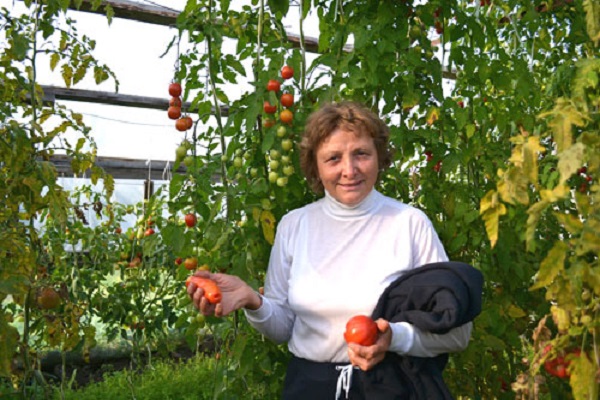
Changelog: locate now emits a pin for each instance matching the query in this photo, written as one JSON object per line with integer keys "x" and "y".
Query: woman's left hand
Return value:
{"x": 366, "y": 357}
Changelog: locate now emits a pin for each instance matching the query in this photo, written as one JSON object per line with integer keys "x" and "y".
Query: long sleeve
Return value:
{"x": 412, "y": 341}
{"x": 274, "y": 318}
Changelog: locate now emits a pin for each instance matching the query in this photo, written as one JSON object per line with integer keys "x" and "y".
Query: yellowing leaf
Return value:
{"x": 491, "y": 209}
{"x": 516, "y": 312}
{"x": 592, "y": 18}
{"x": 570, "y": 160}
{"x": 561, "y": 318}
{"x": 433, "y": 115}
{"x": 513, "y": 186}
{"x": 562, "y": 118}
{"x": 267, "y": 220}
{"x": 552, "y": 266}
{"x": 571, "y": 222}
{"x": 531, "y": 150}
{"x": 582, "y": 378}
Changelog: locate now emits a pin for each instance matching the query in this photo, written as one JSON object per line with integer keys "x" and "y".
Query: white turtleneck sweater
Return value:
{"x": 330, "y": 262}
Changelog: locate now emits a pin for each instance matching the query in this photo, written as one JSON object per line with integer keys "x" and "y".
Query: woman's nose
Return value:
{"x": 349, "y": 166}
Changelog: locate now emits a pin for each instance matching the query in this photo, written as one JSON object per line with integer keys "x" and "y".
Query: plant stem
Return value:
{"x": 211, "y": 78}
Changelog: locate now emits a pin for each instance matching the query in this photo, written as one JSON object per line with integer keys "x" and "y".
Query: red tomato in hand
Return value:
{"x": 362, "y": 330}
{"x": 212, "y": 293}
{"x": 287, "y": 72}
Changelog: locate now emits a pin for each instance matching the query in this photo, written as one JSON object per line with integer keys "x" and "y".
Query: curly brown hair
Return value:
{"x": 349, "y": 116}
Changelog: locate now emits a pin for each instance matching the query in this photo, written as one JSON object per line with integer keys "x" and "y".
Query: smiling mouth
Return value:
{"x": 351, "y": 185}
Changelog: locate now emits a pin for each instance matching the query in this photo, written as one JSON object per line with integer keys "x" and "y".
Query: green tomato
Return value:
{"x": 273, "y": 164}
{"x": 180, "y": 152}
{"x": 288, "y": 170}
{"x": 265, "y": 204}
{"x": 237, "y": 162}
{"x": 281, "y": 131}
{"x": 273, "y": 176}
{"x": 282, "y": 181}
{"x": 188, "y": 161}
{"x": 287, "y": 144}
{"x": 274, "y": 154}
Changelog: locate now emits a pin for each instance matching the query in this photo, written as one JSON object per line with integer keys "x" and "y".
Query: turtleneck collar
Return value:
{"x": 339, "y": 210}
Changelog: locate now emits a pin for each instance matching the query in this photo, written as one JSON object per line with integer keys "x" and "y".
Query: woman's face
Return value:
{"x": 348, "y": 166}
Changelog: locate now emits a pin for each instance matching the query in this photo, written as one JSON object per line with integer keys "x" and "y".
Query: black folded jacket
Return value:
{"x": 435, "y": 298}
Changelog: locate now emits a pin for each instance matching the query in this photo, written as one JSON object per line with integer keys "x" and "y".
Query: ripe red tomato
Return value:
{"x": 48, "y": 298}
{"x": 268, "y": 122}
{"x": 189, "y": 121}
{"x": 212, "y": 293}
{"x": 429, "y": 155}
{"x": 190, "y": 263}
{"x": 174, "y": 112}
{"x": 287, "y": 72}
{"x": 178, "y": 260}
{"x": 361, "y": 329}
{"x": 287, "y": 100}
{"x": 273, "y": 85}
{"x": 181, "y": 124}
{"x": 438, "y": 166}
{"x": 190, "y": 220}
{"x": 269, "y": 108}
{"x": 149, "y": 232}
{"x": 175, "y": 102}
{"x": 286, "y": 116}
{"x": 175, "y": 89}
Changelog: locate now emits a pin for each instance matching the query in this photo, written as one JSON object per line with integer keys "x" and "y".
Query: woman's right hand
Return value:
{"x": 235, "y": 293}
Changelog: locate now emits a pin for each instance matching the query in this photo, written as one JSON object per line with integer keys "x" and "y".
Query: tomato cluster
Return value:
{"x": 286, "y": 100}
{"x": 280, "y": 160}
{"x": 182, "y": 122}
{"x": 584, "y": 180}
{"x": 437, "y": 167}
{"x": 559, "y": 366}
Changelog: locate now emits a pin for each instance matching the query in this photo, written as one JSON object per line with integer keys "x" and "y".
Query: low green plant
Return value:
{"x": 192, "y": 379}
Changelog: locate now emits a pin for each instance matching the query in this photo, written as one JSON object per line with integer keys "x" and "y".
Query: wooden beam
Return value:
{"x": 120, "y": 168}
{"x": 133, "y": 10}
{"x": 53, "y": 93}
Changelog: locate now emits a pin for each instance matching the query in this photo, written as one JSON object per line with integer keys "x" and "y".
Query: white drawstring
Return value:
{"x": 344, "y": 379}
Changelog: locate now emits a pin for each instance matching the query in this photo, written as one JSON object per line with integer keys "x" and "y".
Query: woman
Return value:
{"x": 333, "y": 259}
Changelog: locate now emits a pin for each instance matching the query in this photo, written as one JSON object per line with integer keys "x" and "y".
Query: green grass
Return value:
{"x": 164, "y": 380}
